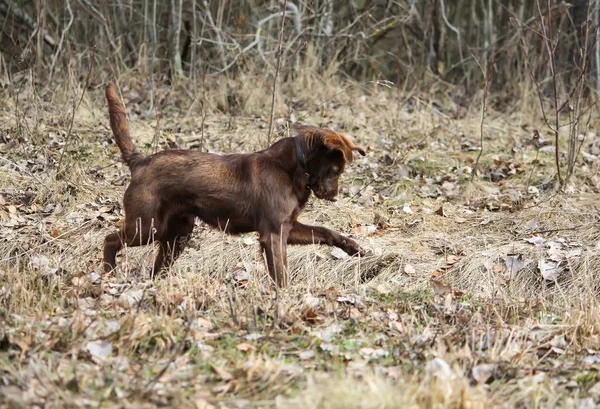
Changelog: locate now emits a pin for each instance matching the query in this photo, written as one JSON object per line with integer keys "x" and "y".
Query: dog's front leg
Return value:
{"x": 274, "y": 246}
{"x": 304, "y": 234}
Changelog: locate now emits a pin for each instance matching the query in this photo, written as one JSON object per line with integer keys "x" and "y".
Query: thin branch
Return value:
{"x": 487, "y": 74}
{"x": 276, "y": 74}
{"x": 75, "y": 108}
{"x": 62, "y": 39}
{"x": 217, "y": 33}
{"x": 453, "y": 28}
{"x": 551, "y": 50}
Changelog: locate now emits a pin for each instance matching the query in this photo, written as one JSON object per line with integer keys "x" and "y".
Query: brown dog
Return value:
{"x": 263, "y": 191}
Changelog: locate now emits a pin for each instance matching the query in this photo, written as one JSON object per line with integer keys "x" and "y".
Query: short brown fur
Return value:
{"x": 263, "y": 191}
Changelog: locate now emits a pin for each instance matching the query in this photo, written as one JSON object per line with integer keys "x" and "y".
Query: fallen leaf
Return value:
{"x": 331, "y": 293}
{"x": 12, "y": 395}
{"x": 441, "y": 212}
{"x": 249, "y": 241}
{"x": 414, "y": 222}
{"x": 591, "y": 360}
{"x": 355, "y": 314}
{"x": 246, "y": 347}
{"x": 364, "y": 230}
{"x": 203, "y": 404}
{"x": 310, "y": 315}
{"x": 306, "y": 355}
{"x": 372, "y": 354}
{"x": 312, "y": 301}
{"x": 452, "y": 259}
{"x": 130, "y": 298}
{"x": 482, "y": 373}
{"x": 532, "y": 225}
{"x": 105, "y": 209}
{"x": 202, "y": 324}
{"x": 353, "y": 299}
{"x": 536, "y": 240}
{"x": 222, "y": 373}
{"x": 515, "y": 263}
{"x": 95, "y": 277}
{"x": 439, "y": 368}
{"x": 40, "y": 262}
{"x": 550, "y": 270}
{"x": 559, "y": 341}
{"x": 409, "y": 269}
{"x": 99, "y": 350}
{"x": 439, "y": 287}
{"x": 595, "y": 390}
{"x": 487, "y": 220}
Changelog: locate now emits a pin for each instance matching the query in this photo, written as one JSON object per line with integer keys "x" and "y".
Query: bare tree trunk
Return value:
{"x": 597, "y": 51}
{"x": 327, "y": 30}
{"x": 153, "y": 41}
{"x": 122, "y": 24}
{"x": 39, "y": 52}
{"x": 145, "y": 37}
{"x": 175, "y": 33}
{"x": 194, "y": 37}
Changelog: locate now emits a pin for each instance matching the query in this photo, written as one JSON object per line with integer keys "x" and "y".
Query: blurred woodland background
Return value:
{"x": 409, "y": 42}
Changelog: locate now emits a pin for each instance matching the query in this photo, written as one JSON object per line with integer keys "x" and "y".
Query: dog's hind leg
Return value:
{"x": 112, "y": 245}
{"x": 174, "y": 241}
{"x": 134, "y": 233}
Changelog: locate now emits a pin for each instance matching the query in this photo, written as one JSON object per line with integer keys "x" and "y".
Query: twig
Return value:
{"x": 255, "y": 42}
{"x": 62, "y": 39}
{"x": 487, "y": 74}
{"x": 217, "y": 32}
{"x": 597, "y": 53}
{"x": 535, "y": 161}
{"x": 203, "y": 111}
{"x": 563, "y": 229}
{"x": 453, "y": 28}
{"x": 276, "y": 73}
{"x": 232, "y": 307}
{"x": 87, "y": 5}
{"x": 159, "y": 112}
{"x": 551, "y": 49}
{"x": 573, "y": 151}
{"x": 75, "y": 108}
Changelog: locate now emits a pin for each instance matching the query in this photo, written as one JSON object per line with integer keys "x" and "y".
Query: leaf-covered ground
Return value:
{"x": 481, "y": 291}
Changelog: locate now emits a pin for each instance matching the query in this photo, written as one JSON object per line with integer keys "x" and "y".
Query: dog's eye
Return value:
{"x": 335, "y": 169}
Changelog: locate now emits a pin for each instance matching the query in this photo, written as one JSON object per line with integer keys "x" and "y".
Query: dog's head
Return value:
{"x": 327, "y": 153}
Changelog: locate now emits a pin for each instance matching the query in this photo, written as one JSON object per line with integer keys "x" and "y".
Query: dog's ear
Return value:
{"x": 335, "y": 141}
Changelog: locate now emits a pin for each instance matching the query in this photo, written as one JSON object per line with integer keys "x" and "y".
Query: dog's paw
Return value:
{"x": 354, "y": 249}
{"x": 365, "y": 252}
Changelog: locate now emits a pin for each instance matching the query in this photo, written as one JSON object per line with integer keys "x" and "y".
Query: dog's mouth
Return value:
{"x": 324, "y": 195}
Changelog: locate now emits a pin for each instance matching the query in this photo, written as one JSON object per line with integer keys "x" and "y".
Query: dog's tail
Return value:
{"x": 118, "y": 123}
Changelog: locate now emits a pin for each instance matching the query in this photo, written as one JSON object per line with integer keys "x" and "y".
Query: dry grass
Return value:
{"x": 434, "y": 319}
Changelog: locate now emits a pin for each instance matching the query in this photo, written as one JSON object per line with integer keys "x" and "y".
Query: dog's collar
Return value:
{"x": 300, "y": 156}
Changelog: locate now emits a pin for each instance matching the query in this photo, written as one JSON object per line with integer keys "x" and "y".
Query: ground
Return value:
{"x": 481, "y": 290}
